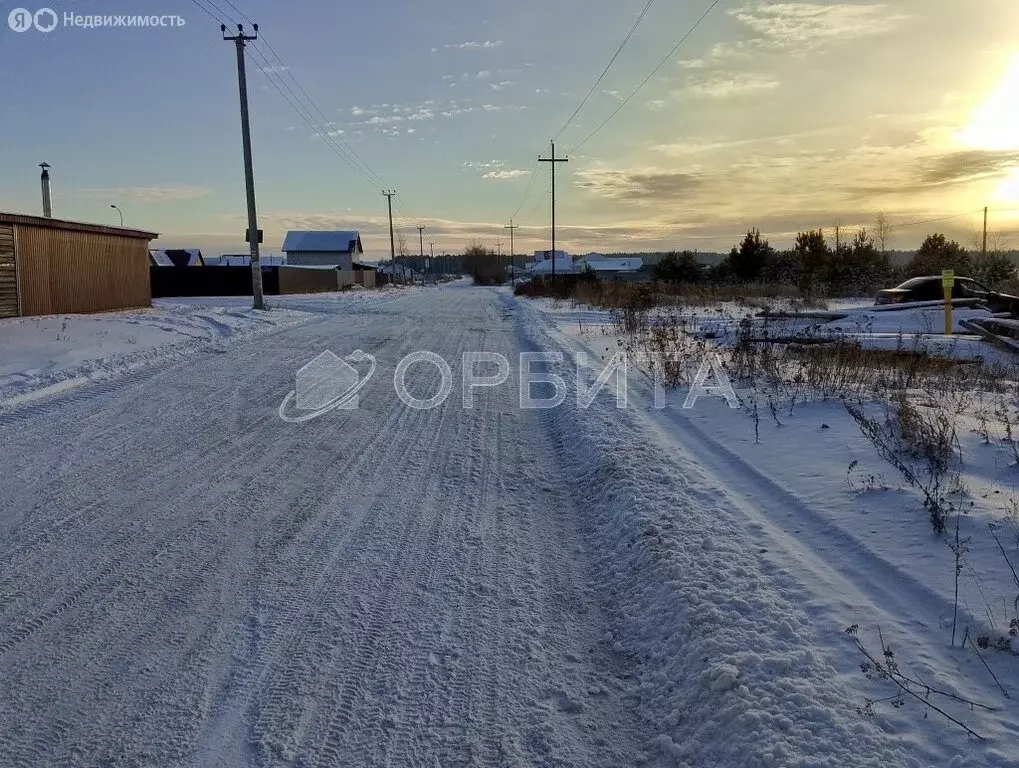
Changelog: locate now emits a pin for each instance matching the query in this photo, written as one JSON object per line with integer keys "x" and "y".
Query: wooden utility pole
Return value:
{"x": 985, "y": 232}
{"x": 512, "y": 228}
{"x": 240, "y": 40}
{"x": 392, "y": 241}
{"x": 552, "y": 161}
{"x": 421, "y": 239}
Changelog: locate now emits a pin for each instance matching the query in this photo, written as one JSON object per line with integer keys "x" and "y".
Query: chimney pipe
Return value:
{"x": 47, "y": 206}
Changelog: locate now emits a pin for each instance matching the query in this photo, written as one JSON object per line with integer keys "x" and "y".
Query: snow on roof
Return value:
{"x": 177, "y": 257}
{"x": 342, "y": 242}
{"x": 602, "y": 264}
{"x": 562, "y": 264}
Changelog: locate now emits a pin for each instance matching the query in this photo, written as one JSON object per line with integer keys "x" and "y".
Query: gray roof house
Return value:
{"x": 321, "y": 249}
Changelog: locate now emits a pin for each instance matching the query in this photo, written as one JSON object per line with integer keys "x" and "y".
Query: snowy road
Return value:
{"x": 186, "y": 580}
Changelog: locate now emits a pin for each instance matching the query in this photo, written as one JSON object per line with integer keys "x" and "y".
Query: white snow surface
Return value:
{"x": 186, "y": 580}
{"x": 53, "y": 353}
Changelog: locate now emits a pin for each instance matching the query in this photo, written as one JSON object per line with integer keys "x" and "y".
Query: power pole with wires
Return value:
{"x": 552, "y": 161}
{"x": 240, "y": 39}
{"x": 392, "y": 241}
{"x": 512, "y": 228}
{"x": 421, "y": 241}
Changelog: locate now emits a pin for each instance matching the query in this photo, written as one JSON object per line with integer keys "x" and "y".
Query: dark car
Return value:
{"x": 929, "y": 289}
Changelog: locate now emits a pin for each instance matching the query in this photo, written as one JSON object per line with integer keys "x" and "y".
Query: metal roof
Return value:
{"x": 74, "y": 226}
{"x": 343, "y": 242}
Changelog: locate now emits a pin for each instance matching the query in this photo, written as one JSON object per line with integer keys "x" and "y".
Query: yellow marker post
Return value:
{"x": 948, "y": 282}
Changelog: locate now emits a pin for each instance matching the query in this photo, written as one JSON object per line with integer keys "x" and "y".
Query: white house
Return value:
{"x": 320, "y": 249}
{"x": 604, "y": 264}
{"x": 543, "y": 263}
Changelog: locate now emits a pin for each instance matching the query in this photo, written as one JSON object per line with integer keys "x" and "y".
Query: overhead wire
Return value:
{"x": 304, "y": 105}
{"x": 608, "y": 66}
{"x": 647, "y": 79}
{"x": 527, "y": 191}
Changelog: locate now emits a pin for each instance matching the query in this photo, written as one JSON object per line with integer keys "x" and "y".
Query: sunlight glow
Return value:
{"x": 1007, "y": 192}
{"x": 995, "y": 124}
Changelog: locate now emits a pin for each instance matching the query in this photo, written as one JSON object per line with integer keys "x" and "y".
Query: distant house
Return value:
{"x": 317, "y": 249}
{"x": 244, "y": 260}
{"x": 606, "y": 265}
{"x": 547, "y": 255}
{"x": 176, "y": 257}
{"x": 543, "y": 263}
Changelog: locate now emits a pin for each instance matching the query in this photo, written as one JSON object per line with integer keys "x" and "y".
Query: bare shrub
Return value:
{"x": 921, "y": 445}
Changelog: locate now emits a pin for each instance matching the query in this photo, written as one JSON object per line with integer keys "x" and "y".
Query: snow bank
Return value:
{"x": 725, "y": 665}
{"x": 45, "y": 355}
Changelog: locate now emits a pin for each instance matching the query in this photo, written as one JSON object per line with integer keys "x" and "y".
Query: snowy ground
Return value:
{"x": 187, "y": 580}
{"x": 40, "y": 356}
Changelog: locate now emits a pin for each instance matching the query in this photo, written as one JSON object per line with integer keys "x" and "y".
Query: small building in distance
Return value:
{"x": 52, "y": 266}
{"x": 607, "y": 265}
{"x": 543, "y": 263}
{"x": 243, "y": 260}
{"x": 322, "y": 248}
{"x": 176, "y": 257}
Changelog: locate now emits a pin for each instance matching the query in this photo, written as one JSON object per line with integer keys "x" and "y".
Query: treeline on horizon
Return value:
{"x": 817, "y": 266}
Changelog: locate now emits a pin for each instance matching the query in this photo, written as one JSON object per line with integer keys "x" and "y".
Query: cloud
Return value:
{"x": 725, "y": 86}
{"x": 274, "y": 69}
{"x": 637, "y": 185}
{"x": 656, "y": 105}
{"x": 966, "y": 165}
{"x": 501, "y": 86}
{"x": 724, "y": 52}
{"x": 473, "y": 45}
{"x": 809, "y": 26}
{"x": 145, "y": 195}
{"x": 505, "y": 175}
{"x": 483, "y": 74}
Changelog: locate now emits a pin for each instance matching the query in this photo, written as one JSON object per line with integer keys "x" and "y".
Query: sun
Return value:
{"x": 994, "y": 126}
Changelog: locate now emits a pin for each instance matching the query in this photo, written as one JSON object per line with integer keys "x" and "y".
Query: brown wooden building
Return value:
{"x": 50, "y": 266}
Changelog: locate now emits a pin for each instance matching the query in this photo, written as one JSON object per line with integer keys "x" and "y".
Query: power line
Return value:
{"x": 210, "y": 14}
{"x": 608, "y": 66}
{"x": 539, "y": 203}
{"x": 306, "y": 107}
{"x": 648, "y": 78}
{"x": 527, "y": 192}
{"x": 323, "y": 133}
{"x": 934, "y": 221}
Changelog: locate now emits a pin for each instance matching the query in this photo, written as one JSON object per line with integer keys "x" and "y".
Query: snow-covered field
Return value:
{"x": 187, "y": 580}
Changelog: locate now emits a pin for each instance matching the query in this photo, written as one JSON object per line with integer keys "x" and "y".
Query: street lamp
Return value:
{"x": 114, "y": 207}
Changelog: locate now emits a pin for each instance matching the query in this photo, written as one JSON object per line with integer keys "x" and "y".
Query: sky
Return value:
{"x": 782, "y": 116}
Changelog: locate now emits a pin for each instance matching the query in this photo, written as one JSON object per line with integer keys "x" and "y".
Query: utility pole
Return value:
{"x": 392, "y": 241}
{"x": 512, "y": 228}
{"x": 421, "y": 241}
{"x": 240, "y": 39}
{"x": 985, "y": 232}
{"x": 552, "y": 161}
